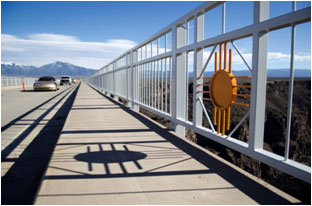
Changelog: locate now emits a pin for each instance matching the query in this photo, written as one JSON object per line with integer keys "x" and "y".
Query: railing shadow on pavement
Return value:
{"x": 248, "y": 186}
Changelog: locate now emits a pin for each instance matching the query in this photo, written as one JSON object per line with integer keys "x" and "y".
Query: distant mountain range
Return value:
{"x": 55, "y": 69}
{"x": 58, "y": 69}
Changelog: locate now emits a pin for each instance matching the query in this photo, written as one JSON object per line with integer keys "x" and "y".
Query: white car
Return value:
{"x": 66, "y": 80}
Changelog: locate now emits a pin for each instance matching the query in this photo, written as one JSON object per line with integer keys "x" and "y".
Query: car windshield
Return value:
{"x": 65, "y": 77}
{"x": 46, "y": 79}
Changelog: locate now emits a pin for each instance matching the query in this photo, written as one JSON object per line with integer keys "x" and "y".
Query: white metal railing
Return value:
{"x": 16, "y": 81}
{"x": 153, "y": 75}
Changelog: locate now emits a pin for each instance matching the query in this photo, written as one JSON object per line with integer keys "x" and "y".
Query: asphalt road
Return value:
{"x": 15, "y": 103}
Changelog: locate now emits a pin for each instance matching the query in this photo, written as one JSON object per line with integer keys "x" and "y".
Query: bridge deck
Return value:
{"x": 109, "y": 154}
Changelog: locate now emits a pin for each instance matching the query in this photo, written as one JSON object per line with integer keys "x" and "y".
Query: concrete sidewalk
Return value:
{"x": 109, "y": 154}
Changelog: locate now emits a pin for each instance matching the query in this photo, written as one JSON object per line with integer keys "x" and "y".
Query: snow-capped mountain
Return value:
{"x": 54, "y": 69}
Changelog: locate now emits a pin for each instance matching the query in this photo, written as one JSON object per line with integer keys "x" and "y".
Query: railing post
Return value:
{"x": 179, "y": 96}
{"x": 134, "y": 85}
{"x": 114, "y": 81}
{"x": 259, "y": 77}
{"x": 198, "y": 66}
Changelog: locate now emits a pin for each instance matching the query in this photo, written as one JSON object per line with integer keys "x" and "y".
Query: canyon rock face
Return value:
{"x": 274, "y": 134}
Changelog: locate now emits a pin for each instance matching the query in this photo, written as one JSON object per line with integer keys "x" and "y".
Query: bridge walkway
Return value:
{"x": 109, "y": 154}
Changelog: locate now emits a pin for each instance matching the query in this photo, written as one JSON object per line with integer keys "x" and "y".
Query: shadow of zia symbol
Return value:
{"x": 112, "y": 156}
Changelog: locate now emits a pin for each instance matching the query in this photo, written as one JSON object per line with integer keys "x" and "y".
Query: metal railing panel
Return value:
{"x": 157, "y": 86}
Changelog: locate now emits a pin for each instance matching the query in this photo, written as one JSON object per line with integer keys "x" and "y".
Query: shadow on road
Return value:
{"x": 21, "y": 182}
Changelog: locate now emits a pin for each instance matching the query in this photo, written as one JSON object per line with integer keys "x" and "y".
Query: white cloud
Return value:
{"x": 280, "y": 57}
{"x": 40, "y": 49}
{"x": 52, "y": 37}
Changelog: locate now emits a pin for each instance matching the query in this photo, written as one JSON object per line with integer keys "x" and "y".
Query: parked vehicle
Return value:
{"x": 46, "y": 83}
{"x": 66, "y": 80}
{"x": 73, "y": 81}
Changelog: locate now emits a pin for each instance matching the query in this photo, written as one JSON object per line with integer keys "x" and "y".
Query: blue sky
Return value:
{"x": 92, "y": 21}
{"x": 91, "y": 34}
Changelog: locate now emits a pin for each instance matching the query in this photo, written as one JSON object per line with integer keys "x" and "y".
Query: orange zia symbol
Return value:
{"x": 223, "y": 90}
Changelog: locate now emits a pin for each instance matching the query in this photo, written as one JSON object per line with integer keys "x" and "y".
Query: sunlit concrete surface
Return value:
{"x": 108, "y": 154}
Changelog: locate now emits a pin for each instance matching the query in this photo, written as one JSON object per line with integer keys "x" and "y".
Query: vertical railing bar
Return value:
{"x": 206, "y": 114}
{"x": 156, "y": 84}
{"x": 186, "y": 76}
{"x": 153, "y": 68}
{"x": 187, "y": 33}
{"x": 162, "y": 85}
{"x": 138, "y": 91}
{"x": 158, "y": 80}
{"x": 170, "y": 85}
{"x": 155, "y": 78}
{"x": 138, "y": 83}
{"x": 151, "y": 94}
{"x": 135, "y": 82}
{"x": 157, "y": 46}
{"x": 153, "y": 83}
{"x": 166, "y": 86}
{"x": 141, "y": 83}
{"x": 137, "y": 78}
{"x": 146, "y": 100}
{"x": 149, "y": 84}
{"x": 165, "y": 42}
{"x": 141, "y": 69}
{"x": 144, "y": 66}
{"x": 127, "y": 85}
{"x": 146, "y": 84}
{"x": 141, "y": 66}
{"x": 259, "y": 78}
{"x": 290, "y": 92}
